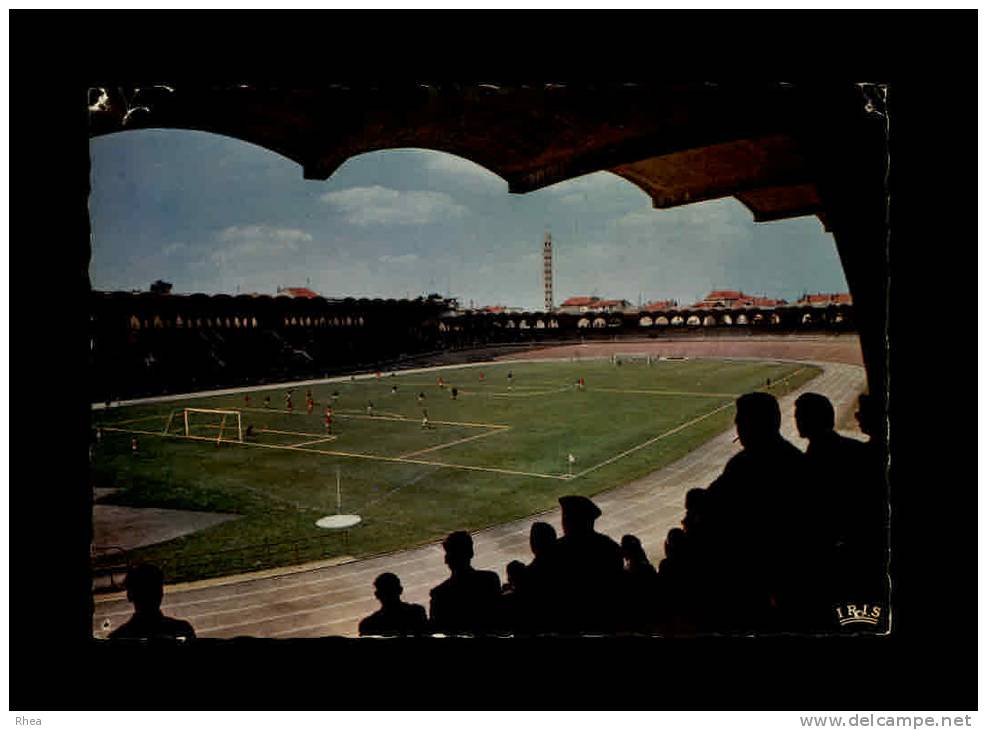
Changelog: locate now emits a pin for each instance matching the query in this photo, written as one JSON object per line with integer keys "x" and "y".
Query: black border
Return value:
{"x": 929, "y": 58}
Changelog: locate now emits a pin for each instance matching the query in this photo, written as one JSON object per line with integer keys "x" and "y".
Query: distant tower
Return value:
{"x": 547, "y": 271}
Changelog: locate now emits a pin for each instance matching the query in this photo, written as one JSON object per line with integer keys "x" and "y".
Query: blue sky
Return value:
{"x": 212, "y": 214}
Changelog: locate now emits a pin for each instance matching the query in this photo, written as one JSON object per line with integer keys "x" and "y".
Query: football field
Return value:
{"x": 497, "y": 451}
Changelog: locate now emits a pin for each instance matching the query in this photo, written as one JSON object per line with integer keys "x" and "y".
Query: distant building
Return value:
{"x": 161, "y": 287}
{"x": 660, "y": 305}
{"x": 824, "y": 300}
{"x": 297, "y": 292}
{"x": 612, "y": 305}
{"x": 721, "y": 299}
{"x": 734, "y": 299}
{"x": 578, "y": 305}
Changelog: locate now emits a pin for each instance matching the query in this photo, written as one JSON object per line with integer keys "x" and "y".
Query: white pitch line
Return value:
{"x": 401, "y": 419}
{"x": 453, "y": 443}
{"x": 353, "y": 455}
{"x": 309, "y": 443}
{"x": 667, "y": 392}
{"x": 652, "y": 440}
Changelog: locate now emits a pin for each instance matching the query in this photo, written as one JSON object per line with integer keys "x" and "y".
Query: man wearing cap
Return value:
{"x": 465, "y": 603}
{"x": 589, "y": 567}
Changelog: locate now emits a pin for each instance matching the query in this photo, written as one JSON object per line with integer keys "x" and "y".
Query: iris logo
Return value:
{"x": 853, "y": 614}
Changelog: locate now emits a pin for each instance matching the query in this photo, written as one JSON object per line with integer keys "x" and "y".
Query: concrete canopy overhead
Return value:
{"x": 784, "y": 150}
{"x": 680, "y": 143}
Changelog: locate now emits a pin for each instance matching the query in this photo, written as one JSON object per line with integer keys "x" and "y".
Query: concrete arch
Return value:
{"x": 599, "y": 323}
{"x": 510, "y": 324}
{"x": 523, "y": 325}
{"x": 693, "y": 320}
{"x": 583, "y": 323}
{"x": 709, "y": 321}
{"x": 645, "y": 322}
{"x": 726, "y": 319}
{"x": 135, "y": 323}
{"x": 661, "y": 321}
{"x": 539, "y": 324}
{"x": 742, "y": 319}
{"x": 678, "y": 320}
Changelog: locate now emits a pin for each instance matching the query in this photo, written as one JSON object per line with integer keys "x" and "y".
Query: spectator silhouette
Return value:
{"x": 588, "y": 571}
{"x": 744, "y": 565}
{"x": 514, "y": 600}
{"x": 849, "y": 500}
{"x": 145, "y": 589}
{"x": 466, "y": 602}
{"x": 540, "y": 576}
{"x": 395, "y": 617}
{"x": 640, "y": 586}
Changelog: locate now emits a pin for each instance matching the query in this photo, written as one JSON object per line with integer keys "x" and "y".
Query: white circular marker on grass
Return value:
{"x": 337, "y": 522}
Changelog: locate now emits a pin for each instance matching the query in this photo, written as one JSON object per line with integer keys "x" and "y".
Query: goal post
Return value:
{"x": 212, "y": 418}
{"x": 633, "y": 357}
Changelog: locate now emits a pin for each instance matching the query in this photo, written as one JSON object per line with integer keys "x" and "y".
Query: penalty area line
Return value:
{"x": 352, "y": 455}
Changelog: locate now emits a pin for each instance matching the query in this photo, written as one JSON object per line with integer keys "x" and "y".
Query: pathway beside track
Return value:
{"x": 330, "y": 601}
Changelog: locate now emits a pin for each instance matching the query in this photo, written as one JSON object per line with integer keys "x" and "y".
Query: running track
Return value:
{"x": 330, "y": 601}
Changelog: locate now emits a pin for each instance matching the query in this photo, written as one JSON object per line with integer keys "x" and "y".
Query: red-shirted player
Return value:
{"x": 328, "y": 419}
{"x": 481, "y": 375}
{"x": 440, "y": 382}
{"x": 246, "y": 399}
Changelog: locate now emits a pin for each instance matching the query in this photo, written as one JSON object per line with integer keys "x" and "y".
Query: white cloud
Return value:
{"x": 365, "y": 206}
{"x": 256, "y": 241}
{"x": 406, "y": 258}
{"x": 170, "y": 249}
{"x": 463, "y": 172}
{"x": 287, "y": 236}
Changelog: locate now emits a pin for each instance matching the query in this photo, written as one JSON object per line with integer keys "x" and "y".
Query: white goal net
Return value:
{"x": 635, "y": 358}
{"x": 211, "y": 424}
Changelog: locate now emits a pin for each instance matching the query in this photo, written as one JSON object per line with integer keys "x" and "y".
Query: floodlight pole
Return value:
{"x": 339, "y": 498}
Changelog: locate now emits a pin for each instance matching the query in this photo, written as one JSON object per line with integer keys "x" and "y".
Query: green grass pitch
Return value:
{"x": 497, "y": 452}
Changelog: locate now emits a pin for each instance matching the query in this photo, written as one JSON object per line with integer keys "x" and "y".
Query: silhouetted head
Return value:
{"x": 695, "y": 499}
{"x": 814, "y": 415}
{"x": 515, "y": 573}
{"x": 578, "y": 514}
{"x": 633, "y": 551}
{"x": 674, "y": 541}
{"x": 695, "y": 507}
{"x": 868, "y": 415}
{"x": 758, "y": 419}
{"x": 459, "y": 550}
{"x": 387, "y": 588}
{"x": 542, "y": 538}
{"x": 145, "y": 587}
